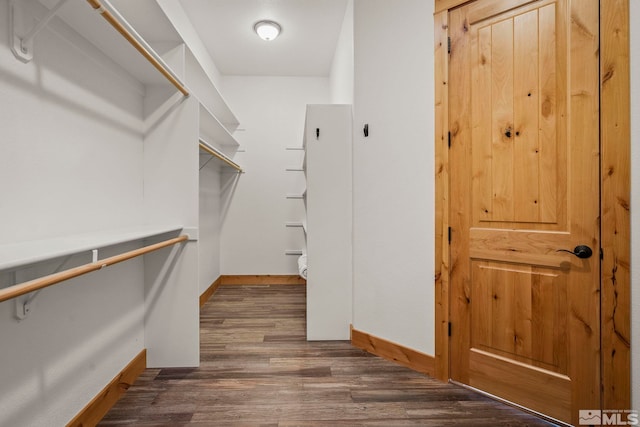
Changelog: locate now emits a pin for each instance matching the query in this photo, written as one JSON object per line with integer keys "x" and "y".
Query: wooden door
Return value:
{"x": 524, "y": 183}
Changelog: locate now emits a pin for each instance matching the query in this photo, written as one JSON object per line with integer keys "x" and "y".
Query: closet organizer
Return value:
{"x": 327, "y": 168}
{"x": 177, "y": 125}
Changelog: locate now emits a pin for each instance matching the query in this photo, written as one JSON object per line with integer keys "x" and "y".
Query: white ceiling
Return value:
{"x": 310, "y": 30}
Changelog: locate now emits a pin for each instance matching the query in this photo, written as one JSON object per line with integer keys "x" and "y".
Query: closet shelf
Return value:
{"x": 213, "y": 130}
{"x": 151, "y": 32}
{"x": 98, "y": 264}
{"x": 128, "y": 45}
{"x": 15, "y": 255}
{"x": 208, "y": 94}
{"x": 116, "y": 20}
{"x": 220, "y": 156}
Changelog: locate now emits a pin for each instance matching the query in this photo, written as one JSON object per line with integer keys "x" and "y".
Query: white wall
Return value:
{"x": 635, "y": 204}
{"x": 71, "y": 162}
{"x": 341, "y": 76}
{"x": 393, "y": 175}
{"x": 271, "y": 111}
{"x": 52, "y": 166}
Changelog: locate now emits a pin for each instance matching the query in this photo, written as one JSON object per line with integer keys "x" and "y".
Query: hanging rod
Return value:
{"x": 219, "y": 155}
{"x": 111, "y": 15}
{"x": 52, "y": 279}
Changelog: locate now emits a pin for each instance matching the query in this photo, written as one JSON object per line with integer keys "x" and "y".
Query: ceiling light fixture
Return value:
{"x": 267, "y": 30}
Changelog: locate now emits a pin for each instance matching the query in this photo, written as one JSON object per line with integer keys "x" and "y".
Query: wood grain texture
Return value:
{"x": 615, "y": 190}
{"x": 479, "y": 11}
{"x": 404, "y": 356}
{"x": 552, "y": 207}
{"x": 459, "y": 191}
{"x": 526, "y": 153}
{"x": 482, "y": 202}
{"x": 501, "y": 117}
{"x": 441, "y": 196}
{"x": 445, "y": 5}
{"x": 584, "y": 176}
{"x": 616, "y": 237}
{"x": 257, "y": 369}
{"x": 533, "y": 388}
{"x": 103, "y": 402}
{"x": 210, "y": 291}
{"x": 291, "y": 279}
{"x": 503, "y": 251}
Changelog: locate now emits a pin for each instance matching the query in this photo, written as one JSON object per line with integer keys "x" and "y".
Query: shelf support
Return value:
{"x": 23, "y": 308}
{"x": 22, "y": 47}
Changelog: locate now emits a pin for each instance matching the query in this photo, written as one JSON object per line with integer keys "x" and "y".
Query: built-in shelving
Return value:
{"x": 34, "y": 286}
{"x": 297, "y": 196}
{"x": 327, "y": 166}
{"x": 208, "y": 94}
{"x": 144, "y": 17}
{"x": 109, "y": 83}
{"x": 147, "y": 22}
{"x": 16, "y": 255}
{"x": 211, "y": 129}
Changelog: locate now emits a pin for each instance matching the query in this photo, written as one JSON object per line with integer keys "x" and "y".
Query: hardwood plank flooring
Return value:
{"x": 257, "y": 369}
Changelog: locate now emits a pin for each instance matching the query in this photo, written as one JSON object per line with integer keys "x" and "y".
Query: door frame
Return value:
{"x": 615, "y": 189}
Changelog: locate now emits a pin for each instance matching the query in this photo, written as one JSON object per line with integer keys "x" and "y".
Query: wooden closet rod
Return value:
{"x": 221, "y": 157}
{"x": 115, "y": 23}
{"x": 52, "y": 279}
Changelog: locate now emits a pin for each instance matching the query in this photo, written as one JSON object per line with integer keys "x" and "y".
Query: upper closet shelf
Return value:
{"x": 20, "y": 254}
{"x": 212, "y": 130}
{"x": 136, "y": 35}
{"x": 114, "y": 33}
{"x": 208, "y": 94}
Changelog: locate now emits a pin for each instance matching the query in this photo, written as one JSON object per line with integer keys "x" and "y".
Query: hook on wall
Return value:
{"x": 366, "y": 130}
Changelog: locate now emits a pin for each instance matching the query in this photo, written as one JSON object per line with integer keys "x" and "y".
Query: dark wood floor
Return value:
{"x": 258, "y": 370}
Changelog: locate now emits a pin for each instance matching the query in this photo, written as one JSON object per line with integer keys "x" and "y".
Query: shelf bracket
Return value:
{"x": 22, "y": 46}
{"x": 23, "y": 306}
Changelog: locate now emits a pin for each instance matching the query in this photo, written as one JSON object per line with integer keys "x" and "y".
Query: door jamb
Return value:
{"x": 615, "y": 189}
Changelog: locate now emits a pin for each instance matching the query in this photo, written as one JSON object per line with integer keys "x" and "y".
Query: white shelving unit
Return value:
{"x": 296, "y": 153}
{"x": 208, "y": 94}
{"x": 20, "y": 254}
{"x": 120, "y": 145}
{"x": 327, "y": 166}
{"x": 211, "y": 129}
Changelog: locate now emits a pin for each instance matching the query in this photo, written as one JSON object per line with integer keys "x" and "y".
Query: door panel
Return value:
{"x": 521, "y": 315}
{"x": 517, "y": 158}
{"x": 524, "y": 183}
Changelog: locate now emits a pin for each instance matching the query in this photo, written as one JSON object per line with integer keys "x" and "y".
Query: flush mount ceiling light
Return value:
{"x": 267, "y": 30}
